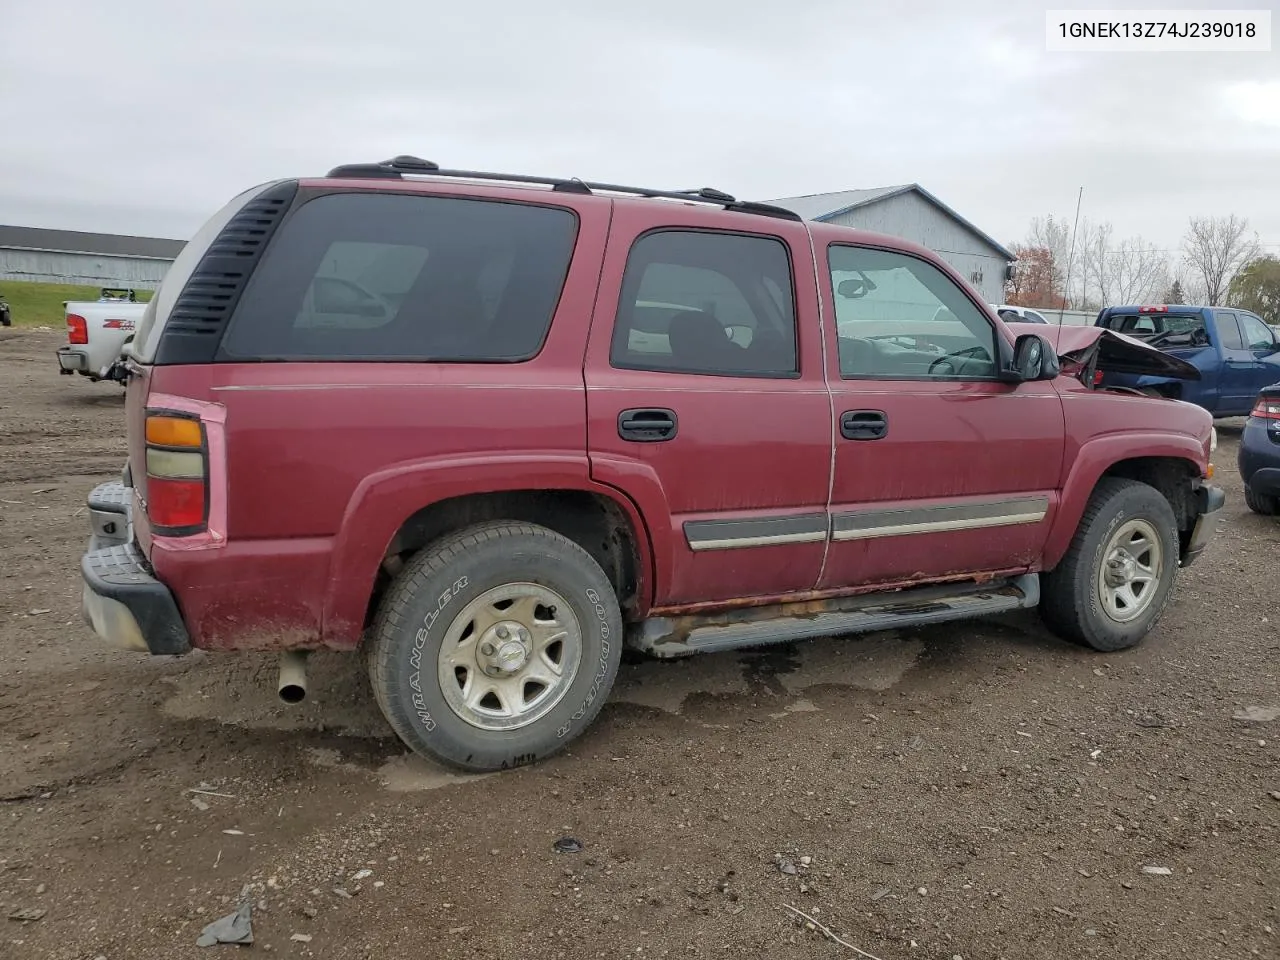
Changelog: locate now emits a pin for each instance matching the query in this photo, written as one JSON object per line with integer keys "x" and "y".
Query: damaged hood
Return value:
{"x": 1115, "y": 352}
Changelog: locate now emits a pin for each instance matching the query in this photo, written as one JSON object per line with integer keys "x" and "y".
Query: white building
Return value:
{"x": 91, "y": 259}
{"x": 911, "y": 212}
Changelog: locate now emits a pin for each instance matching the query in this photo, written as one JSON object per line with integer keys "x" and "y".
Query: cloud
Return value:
{"x": 146, "y": 115}
{"x": 1255, "y": 101}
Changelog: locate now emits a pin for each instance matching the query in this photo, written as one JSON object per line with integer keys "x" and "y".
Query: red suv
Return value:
{"x": 491, "y": 428}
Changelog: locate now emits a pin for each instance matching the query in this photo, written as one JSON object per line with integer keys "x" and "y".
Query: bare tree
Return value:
{"x": 1214, "y": 250}
{"x": 1047, "y": 233}
{"x": 1124, "y": 271}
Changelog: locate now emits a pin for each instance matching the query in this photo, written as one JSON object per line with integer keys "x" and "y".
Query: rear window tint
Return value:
{"x": 1146, "y": 324}
{"x": 391, "y": 277}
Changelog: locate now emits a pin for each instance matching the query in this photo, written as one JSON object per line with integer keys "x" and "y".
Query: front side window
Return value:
{"x": 1257, "y": 335}
{"x": 359, "y": 276}
{"x": 711, "y": 303}
{"x": 900, "y": 317}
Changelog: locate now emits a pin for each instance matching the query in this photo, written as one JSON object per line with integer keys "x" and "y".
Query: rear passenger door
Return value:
{"x": 706, "y": 401}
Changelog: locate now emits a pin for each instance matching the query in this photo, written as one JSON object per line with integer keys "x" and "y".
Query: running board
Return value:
{"x": 667, "y": 637}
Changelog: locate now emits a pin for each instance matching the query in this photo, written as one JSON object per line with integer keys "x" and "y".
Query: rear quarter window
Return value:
{"x": 361, "y": 276}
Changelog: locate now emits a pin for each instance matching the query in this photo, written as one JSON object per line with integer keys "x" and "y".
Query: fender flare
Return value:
{"x": 383, "y": 501}
{"x": 1094, "y": 459}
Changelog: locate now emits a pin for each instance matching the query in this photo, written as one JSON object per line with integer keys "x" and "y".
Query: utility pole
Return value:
{"x": 1066, "y": 284}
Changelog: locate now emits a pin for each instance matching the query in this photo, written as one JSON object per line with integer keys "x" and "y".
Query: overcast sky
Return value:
{"x": 144, "y": 116}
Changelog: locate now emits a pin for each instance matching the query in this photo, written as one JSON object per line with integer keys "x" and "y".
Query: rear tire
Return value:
{"x": 1259, "y": 502}
{"x": 495, "y": 646}
{"x": 1116, "y": 578}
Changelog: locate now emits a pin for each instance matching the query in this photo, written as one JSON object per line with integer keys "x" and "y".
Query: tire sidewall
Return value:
{"x": 1260, "y": 503}
{"x": 1133, "y": 503}
{"x": 413, "y": 648}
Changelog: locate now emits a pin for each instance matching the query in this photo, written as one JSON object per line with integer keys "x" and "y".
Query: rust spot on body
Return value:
{"x": 817, "y": 601}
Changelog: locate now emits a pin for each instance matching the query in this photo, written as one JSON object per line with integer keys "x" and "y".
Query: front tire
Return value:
{"x": 1259, "y": 502}
{"x": 1118, "y": 574}
{"x": 496, "y": 646}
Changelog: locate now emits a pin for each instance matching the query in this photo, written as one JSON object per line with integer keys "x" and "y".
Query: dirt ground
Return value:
{"x": 973, "y": 791}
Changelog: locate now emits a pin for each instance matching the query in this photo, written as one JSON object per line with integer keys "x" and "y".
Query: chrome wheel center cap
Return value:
{"x": 1120, "y": 570}
{"x": 505, "y": 649}
{"x": 511, "y": 656}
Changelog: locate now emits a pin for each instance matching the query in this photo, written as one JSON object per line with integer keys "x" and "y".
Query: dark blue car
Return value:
{"x": 1259, "y": 457}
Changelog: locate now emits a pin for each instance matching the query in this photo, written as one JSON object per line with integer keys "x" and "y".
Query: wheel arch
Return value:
{"x": 391, "y": 520}
{"x": 592, "y": 520}
{"x": 1169, "y": 463}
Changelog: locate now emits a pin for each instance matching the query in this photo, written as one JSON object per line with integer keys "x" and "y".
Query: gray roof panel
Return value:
{"x": 827, "y": 206}
{"x": 75, "y": 241}
{"x": 821, "y": 206}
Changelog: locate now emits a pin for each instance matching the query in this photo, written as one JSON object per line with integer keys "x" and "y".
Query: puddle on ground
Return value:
{"x": 332, "y": 760}
{"x": 410, "y": 772}
{"x": 240, "y": 690}
{"x": 802, "y": 706}
{"x": 406, "y": 773}
{"x": 872, "y": 662}
{"x": 876, "y": 661}
{"x": 665, "y": 684}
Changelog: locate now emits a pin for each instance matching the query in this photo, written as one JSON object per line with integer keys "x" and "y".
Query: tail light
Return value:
{"x": 1266, "y": 408}
{"x": 177, "y": 474}
{"x": 1160, "y": 309}
{"x": 1097, "y": 378}
{"x": 77, "y": 329}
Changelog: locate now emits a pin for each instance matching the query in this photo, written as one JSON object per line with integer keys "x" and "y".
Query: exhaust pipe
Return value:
{"x": 293, "y": 676}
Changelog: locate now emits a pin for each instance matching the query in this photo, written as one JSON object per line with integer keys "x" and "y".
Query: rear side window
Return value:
{"x": 1228, "y": 330}
{"x": 719, "y": 304}
{"x": 359, "y": 276}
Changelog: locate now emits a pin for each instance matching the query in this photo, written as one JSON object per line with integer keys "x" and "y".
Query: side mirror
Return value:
{"x": 1033, "y": 359}
{"x": 852, "y": 289}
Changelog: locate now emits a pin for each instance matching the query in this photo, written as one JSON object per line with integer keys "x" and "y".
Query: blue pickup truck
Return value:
{"x": 1236, "y": 353}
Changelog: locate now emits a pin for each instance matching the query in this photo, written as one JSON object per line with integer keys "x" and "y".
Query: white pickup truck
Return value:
{"x": 97, "y": 330}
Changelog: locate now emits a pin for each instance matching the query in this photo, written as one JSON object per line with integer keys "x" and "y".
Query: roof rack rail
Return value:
{"x": 405, "y": 165}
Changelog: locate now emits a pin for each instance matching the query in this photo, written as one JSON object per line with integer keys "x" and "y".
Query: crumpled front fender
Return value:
{"x": 1080, "y": 348}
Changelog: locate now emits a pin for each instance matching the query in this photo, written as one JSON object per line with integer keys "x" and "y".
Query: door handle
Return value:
{"x": 648, "y": 424}
{"x": 863, "y": 424}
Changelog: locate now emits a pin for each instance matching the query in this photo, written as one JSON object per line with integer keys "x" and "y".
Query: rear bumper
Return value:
{"x": 1210, "y": 500}
{"x": 122, "y": 600}
{"x": 1259, "y": 456}
{"x": 71, "y": 360}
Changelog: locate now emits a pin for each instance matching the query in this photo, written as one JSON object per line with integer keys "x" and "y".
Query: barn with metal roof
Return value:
{"x": 913, "y": 213}
{"x": 93, "y": 259}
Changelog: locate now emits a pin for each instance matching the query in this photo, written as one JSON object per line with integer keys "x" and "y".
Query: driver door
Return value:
{"x": 940, "y": 469}
{"x": 1260, "y": 340}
